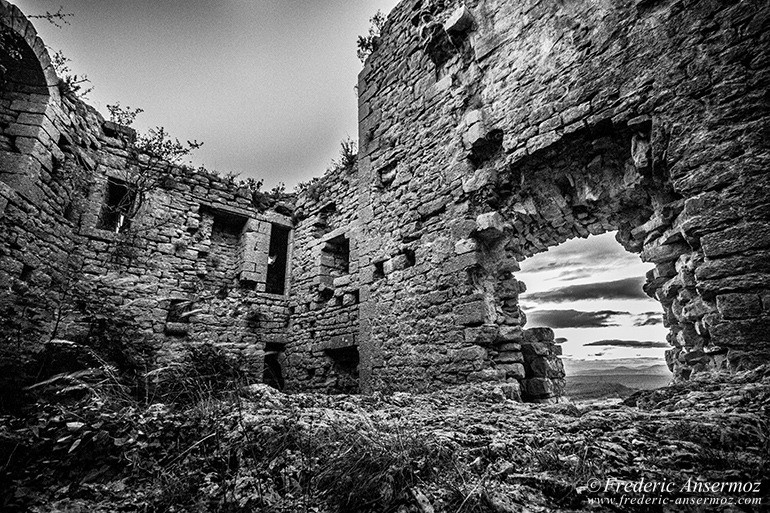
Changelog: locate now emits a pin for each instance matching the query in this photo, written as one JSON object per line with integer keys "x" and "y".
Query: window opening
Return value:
{"x": 118, "y": 201}
{"x": 277, "y": 259}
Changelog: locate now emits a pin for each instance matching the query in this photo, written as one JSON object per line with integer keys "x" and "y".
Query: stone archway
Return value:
{"x": 596, "y": 180}
{"x": 28, "y": 95}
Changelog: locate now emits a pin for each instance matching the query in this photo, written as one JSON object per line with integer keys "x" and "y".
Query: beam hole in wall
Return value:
{"x": 26, "y": 272}
{"x": 325, "y": 295}
{"x": 278, "y": 258}
{"x": 178, "y": 311}
{"x": 323, "y": 222}
{"x": 387, "y": 174}
{"x": 119, "y": 199}
{"x": 335, "y": 257}
{"x": 379, "y": 270}
{"x": 410, "y": 258}
{"x": 345, "y": 362}
{"x": 272, "y": 372}
{"x": 68, "y": 212}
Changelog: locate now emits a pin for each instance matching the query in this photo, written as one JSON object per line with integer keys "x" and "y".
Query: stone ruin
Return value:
{"x": 489, "y": 131}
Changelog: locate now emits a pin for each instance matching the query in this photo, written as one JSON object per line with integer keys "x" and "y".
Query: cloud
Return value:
{"x": 600, "y": 252}
{"x": 648, "y": 319}
{"x": 573, "y": 318}
{"x": 628, "y": 288}
{"x": 628, "y": 343}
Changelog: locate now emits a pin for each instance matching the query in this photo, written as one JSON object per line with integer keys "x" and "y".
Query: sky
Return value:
{"x": 590, "y": 292}
{"x": 267, "y": 85}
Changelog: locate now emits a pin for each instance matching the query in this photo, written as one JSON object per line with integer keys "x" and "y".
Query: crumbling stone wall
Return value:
{"x": 192, "y": 268}
{"x": 325, "y": 297}
{"x": 489, "y": 131}
{"x": 492, "y": 130}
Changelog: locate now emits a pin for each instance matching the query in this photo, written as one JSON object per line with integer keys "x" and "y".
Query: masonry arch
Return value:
{"x": 599, "y": 179}
{"x": 28, "y": 91}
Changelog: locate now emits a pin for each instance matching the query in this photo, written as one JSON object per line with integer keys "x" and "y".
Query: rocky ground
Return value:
{"x": 468, "y": 449}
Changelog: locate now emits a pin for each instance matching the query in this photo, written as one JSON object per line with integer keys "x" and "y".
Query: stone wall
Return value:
{"x": 489, "y": 131}
{"x": 492, "y": 130}
{"x": 325, "y": 286}
{"x": 191, "y": 269}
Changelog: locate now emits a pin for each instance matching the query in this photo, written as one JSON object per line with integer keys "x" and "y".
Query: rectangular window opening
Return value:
{"x": 119, "y": 199}
{"x": 277, "y": 259}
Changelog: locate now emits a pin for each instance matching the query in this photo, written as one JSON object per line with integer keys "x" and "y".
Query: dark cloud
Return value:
{"x": 649, "y": 319}
{"x": 576, "y": 255}
{"x": 629, "y": 288}
{"x": 628, "y": 343}
{"x": 573, "y": 318}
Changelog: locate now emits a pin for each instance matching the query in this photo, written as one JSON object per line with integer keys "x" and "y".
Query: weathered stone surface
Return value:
{"x": 482, "y": 142}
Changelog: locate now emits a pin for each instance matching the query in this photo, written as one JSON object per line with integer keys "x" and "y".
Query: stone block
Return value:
{"x": 533, "y": 349}
{"x": 546, "y": 367}
{"x": 737, "y": 239}
{"x": 341, "y": 281}
{"x": 510, "y": 334}
{"x": 465, "y": 246}
{"x": 337, "y": 342}
{"x": 539, "y": 334}
{"x": 460, "y": 21}
{"x": 471, "y": 353}
{"x": 176, "y": 329}
{"x": 511, "y": 356}
{"x": 490, "y": 226}
{"x": 741, "y": 334}
{"x": 539, "y": 388}
{"x": 463, "y": 262}
{"x": 512, "y": 370}
{"x": 470, "y": 314}
{"x": 482, "y": 335}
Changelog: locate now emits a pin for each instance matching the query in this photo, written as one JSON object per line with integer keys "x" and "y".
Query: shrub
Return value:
{"x": 368, "y": 44}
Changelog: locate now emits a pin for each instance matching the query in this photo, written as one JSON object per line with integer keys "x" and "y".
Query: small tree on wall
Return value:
{"x": 368, "y": 44}
{"x": 152, "y": 159}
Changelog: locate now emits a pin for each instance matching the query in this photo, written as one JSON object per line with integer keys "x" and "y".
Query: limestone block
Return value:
{"x": 737, "y": 239}
{"x": 460, "y": 21}
{"x": 541, "y": 388}
{"x": 539, "y": 334}
{"x": 468, "y": 314}
{"x": 546, "y": 367}
{"x": 397, "y": 263}
{"x": 484, "y": 335}
{"x": 479, "y": 179}
{"x": 465, "y": 246}
{"x": 176, "y": 329}
{"x": 510, "y": 357}
{"x": 341, "y": 281}
{"x": 534, "y": 349}
{"x": 739, "y": 306}
{"x": 490, "y": 226}
{"x": 475, "y": 136}
{"x": 508, "y": 334}
{"x": 512, "y": 370}
{"x": 471, "y": 353}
